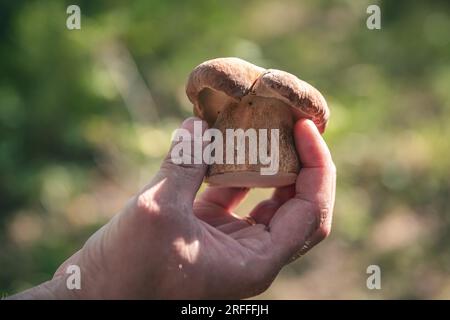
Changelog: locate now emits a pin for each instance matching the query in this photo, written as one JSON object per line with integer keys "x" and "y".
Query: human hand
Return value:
{"x": 167, "y": 245}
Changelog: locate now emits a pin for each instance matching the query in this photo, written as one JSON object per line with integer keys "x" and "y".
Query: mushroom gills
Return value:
{"x": 211, "y": 103}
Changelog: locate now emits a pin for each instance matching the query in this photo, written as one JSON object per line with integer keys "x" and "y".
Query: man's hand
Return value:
{"x": 167, "y": 244}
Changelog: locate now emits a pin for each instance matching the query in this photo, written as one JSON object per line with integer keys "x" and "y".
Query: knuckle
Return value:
{"x": 142, "y": 202}
{"x": 324, "y": 228}
{"x": 182, "y": 172}
{"x": 322, "y": 212}
{"x": 318, "y": 211}
{"x": 170, "y": 166}
{"x": 323, "y": 232}
{"x": 146, "y": 204}
{"x": 157, "y": 210}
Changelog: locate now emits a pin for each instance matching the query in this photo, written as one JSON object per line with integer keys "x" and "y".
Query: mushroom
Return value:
{"x": 230, "y": 93}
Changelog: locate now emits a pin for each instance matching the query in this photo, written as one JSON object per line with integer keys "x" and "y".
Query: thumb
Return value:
{"x": 183, "y": 169}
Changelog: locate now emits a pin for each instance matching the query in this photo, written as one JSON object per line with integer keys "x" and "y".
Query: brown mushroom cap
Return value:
{"x": 214, "y": 84}
{"x": 307, "y": 101}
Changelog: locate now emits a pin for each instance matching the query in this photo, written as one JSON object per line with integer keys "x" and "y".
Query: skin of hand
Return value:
{"x": 166, "y": 244}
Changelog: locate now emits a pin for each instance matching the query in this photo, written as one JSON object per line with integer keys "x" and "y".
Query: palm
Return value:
{"x": 239, "y": 253}
{"x": 215, "y": 208}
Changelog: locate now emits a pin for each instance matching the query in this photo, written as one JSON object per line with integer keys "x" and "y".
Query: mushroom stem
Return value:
{"x": 267, "y": 117}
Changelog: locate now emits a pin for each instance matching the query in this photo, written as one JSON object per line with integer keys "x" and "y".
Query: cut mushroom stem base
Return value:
{"x": 249, "y": 179}
{"x": 271, "y": 161}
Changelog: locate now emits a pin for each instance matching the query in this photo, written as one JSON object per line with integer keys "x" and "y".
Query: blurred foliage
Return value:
{"x": 86, "y": 117}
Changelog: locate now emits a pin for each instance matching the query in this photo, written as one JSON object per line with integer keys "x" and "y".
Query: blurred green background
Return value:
{"x": 86, "y": 117}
